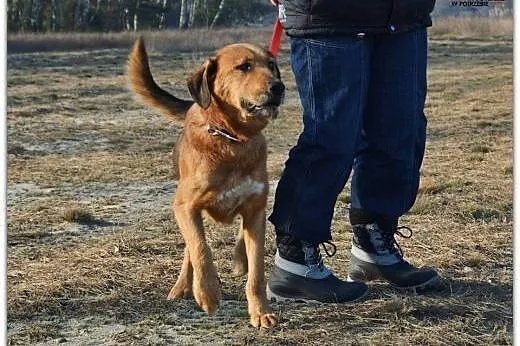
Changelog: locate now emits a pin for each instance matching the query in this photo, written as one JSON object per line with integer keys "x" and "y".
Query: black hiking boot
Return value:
{"x": 375, "y": 255}
{"x": 299, "y": 275}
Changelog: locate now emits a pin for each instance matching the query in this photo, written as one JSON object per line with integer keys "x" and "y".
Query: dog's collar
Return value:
{"x": 215, "y": 131}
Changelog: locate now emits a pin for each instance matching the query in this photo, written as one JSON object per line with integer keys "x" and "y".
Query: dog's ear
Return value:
{"x": 200, "y": 84}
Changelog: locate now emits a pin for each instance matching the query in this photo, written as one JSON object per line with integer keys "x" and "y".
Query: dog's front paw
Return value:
{"x": 206, "y": 290}
{"x": 263, "y": 319}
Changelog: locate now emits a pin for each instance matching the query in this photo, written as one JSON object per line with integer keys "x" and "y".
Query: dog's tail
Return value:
{"x": 143, "y": 85}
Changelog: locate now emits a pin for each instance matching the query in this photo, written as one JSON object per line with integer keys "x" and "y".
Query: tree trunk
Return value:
{"x": 13, "y": 15}
{"x": 54, "y": 16}
{"x": 185, "y": 13}
{"x": 217, "y": 15}
{"x": 9, "y": 16}
{"x": 25, "y": 15}
{"x": 164, "y": 13}
{"x": 81, "y": 14}
{"x": 36, "y": 15}
{"x": 137, "y": 19}
{"x": 206, "y": 13}
{"x": 193, "y": 12}
{"x": 126, "y": 19}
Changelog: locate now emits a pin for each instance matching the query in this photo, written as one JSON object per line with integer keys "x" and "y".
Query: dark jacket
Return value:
{"x": 332, "y": 17}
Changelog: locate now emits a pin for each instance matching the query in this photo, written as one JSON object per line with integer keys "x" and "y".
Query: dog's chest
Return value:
{"x": 234, "y": 195}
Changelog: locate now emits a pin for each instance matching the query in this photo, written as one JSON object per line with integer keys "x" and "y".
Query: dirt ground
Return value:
{"x": 93, "y": 248}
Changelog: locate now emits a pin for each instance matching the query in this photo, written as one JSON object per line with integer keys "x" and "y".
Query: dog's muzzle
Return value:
{"x": 268, "y": 105}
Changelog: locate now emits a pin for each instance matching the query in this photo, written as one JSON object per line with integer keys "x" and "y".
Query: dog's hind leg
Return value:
{"x": 183, "y": 286}
{"x": 253, "y": 226}
{"x": 206, "y": 285}
{"x": 239, "y": 255}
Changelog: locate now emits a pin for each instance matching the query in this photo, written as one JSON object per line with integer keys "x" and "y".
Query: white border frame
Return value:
{"x": 3, "y": 170}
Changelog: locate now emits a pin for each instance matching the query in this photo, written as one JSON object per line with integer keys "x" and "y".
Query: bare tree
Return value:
{"x": 185, "y": 13}
{"x": 136, "y": 15}
{"x": 194, "y": 9}
{"x": 164, "y": 12}
{"x": 217, "y": 15}
{"x": 14, "y": 16}
{"x": 81, "y": 14}
{"x": 126, "y": 19}
{"x": 54, "y": 24}
{"x": 36, "y": 15}
{"x": 126, "y": 15}
{"x": 206, "y": 14}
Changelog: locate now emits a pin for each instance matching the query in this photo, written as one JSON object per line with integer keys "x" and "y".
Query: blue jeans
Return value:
{"x": 363, "y": 101}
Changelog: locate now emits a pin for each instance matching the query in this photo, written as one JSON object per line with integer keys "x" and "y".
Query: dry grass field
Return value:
{"x": 93, "y": 248}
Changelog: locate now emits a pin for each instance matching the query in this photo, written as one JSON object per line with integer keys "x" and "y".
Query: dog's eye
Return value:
{"x": 271, "y": 65}
{"x": 245, "y": 67}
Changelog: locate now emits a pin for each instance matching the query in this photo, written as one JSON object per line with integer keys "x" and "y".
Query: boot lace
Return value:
{"x": 313, "y": 257}
{"x": 391, "y": 243}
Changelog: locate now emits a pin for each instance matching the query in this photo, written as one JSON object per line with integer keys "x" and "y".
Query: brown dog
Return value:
{"x": 222, "y": 164}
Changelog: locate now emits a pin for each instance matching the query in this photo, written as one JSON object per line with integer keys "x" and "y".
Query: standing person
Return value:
{"x": 360, "y": 69}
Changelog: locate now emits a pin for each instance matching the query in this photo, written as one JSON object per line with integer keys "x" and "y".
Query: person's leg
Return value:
{"x": 331, "y": 75}
{"x": 387, "y": 164}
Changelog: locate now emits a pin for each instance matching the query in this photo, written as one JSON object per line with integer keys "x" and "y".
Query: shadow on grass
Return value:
{"x": 452, "y": 298}
{"x": 101, "y": 223}
{"x": 450, "y": 288}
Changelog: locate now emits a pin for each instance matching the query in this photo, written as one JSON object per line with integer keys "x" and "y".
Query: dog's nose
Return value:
{"x": 276, "y": 87}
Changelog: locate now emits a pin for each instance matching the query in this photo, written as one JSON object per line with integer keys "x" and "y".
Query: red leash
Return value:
{"x": 274, "y": 47}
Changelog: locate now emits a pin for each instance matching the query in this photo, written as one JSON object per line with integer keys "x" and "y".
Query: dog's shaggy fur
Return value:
{"x": 222, "y": 164}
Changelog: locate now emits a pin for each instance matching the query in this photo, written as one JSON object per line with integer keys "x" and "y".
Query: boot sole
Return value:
{"x": 430, "y": 283}
{"x": 278, "y": 298}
